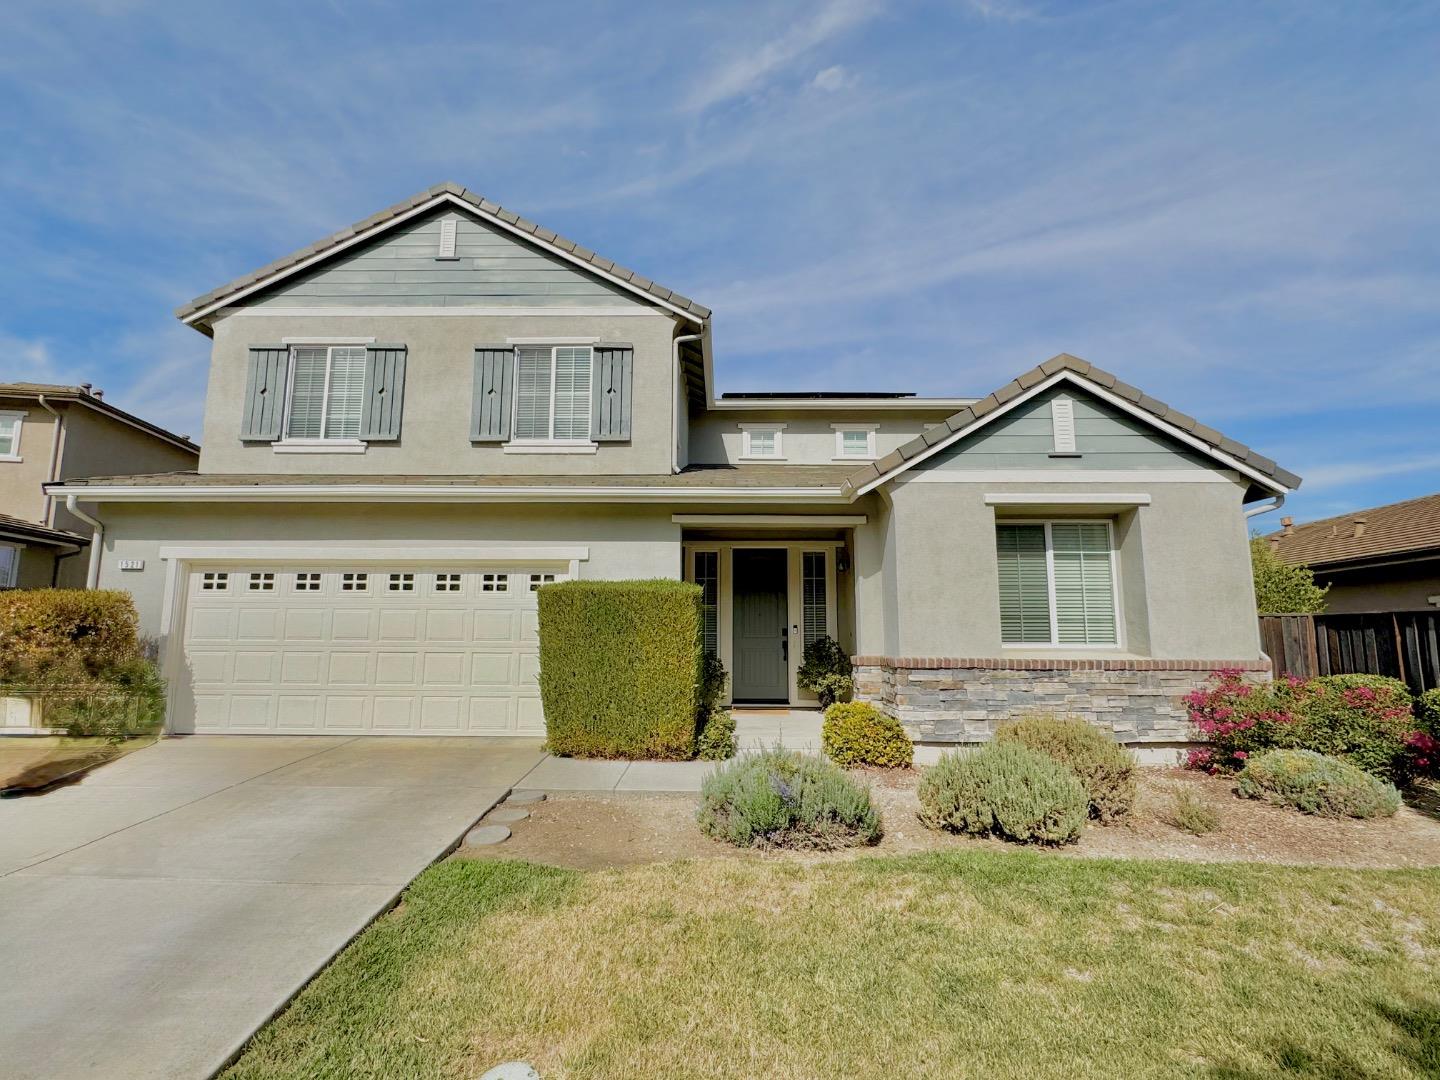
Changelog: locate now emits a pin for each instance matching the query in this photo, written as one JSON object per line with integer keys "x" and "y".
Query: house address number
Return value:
{"x": 132, "y": 564}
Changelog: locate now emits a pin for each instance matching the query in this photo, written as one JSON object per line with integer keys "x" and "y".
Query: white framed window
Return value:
{"x": 762, "y": 442}
{"x": 326, "y": 394}
{"x": 262, "y": 581}
{"x": 706, "y": 574}
{"x": 447, "y": 582}
{"x": 9, "y": 565}
{"x": 855, "y": 441}
{"x": 1057, "y": 583}
{"x": 401, "y": 583}
{"x": 536, "y": 580}
{"x": 10, "y": 425}
{"x": 494, "y": 582}
{"x": 355, "y": 582}
{"x": 552, "y": 394}
{"x": 309, "y": 581}
{"x": 214, "y": 581}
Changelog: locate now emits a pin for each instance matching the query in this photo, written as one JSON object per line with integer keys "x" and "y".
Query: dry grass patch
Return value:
{"x": 973, "y": 964}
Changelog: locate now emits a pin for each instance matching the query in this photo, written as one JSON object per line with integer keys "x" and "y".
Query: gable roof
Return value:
{"x": 1067, "y": 368}
{"x": 1400, "y": 528}
{"x": 84, "y": 395}
{"x": 423, "y": 202}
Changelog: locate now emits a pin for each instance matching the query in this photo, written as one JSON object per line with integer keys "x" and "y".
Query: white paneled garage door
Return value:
{"x": 362, "y": 650}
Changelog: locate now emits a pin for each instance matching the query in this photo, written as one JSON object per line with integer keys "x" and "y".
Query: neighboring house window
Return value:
{"x": 552, "y": 393}
{"x": 707, "y": 576}
{"x": 327, "y": 392}
{"x": 10, "y": 424}
{"x": 1057, "y": 583}
{"x": 854, "y": 440}
{"x": 9, "y": 565}
{"x": 761, "y": 441}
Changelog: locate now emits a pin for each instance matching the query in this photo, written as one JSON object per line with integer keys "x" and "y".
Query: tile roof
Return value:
{"x": 87, "y": 397}
{"x": 1381, "y": 531}
{"x": 972, "y": 414}
{"x": 475, "y": 201}
{"x": 13, "y": 526}
{"x": 756, "y": 476}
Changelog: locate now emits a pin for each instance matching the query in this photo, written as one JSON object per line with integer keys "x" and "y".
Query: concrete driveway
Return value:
{"x": 154, "y": 915}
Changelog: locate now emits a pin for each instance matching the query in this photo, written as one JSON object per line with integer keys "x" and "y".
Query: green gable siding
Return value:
{"x": 1105, "y": 438}
{"x": 400, "y": 268}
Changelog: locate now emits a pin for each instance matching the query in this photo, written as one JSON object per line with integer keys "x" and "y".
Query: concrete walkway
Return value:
{"x": 156, "y": 914}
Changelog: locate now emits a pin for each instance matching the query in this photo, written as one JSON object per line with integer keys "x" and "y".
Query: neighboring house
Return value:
{"x": 1383, "y": 559}
{"x": 52, "y": 433}
{"x": 415, "y": 423}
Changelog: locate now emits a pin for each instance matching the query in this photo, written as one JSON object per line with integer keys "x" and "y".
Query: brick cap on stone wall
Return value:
{"x": 1006, "y": 663}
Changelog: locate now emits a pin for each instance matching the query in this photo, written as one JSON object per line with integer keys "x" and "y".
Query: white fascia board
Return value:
{"x": 1100, "y": 392}
{"x": 842, "y": 404}
{"x": 770, "y": 520}
{"x": 442, "y": 494}
{"x": 1045, "y": 498}
{"x": 442, "y": 199}
{"x": 329, "y": 553}
{"x": 1070, "y": 476}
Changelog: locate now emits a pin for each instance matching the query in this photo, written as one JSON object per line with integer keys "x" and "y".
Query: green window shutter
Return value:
{"x": 1084, "y": 586}
{"x": 614, "y": 376}
{"x": 494, "y": 390}
{"x": 1024, "y": 587}
{"x": 384, "y": 392}
{"x": 264, "y": 418}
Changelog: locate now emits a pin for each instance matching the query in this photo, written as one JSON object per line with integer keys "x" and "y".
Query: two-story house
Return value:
{"x": 50, "y": 433}
{"x": 415, "y": 423}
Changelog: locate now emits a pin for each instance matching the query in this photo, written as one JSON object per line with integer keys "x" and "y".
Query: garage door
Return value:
{"x": 362, "y": 650}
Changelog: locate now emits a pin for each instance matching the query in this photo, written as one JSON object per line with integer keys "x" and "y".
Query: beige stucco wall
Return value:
{"x": 927, "y": 576}
{"x": 624, "y": 542}
{"x": 439, "y": 381}
{"x": 20, "y": 492}
{"x": 99, "y": 445}
{"x": 808, "y": 438}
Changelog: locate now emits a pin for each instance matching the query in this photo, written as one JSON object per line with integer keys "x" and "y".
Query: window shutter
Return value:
{"x": 613, "y": 381}
{"x": 265, "y": 393}
{"x": 384, "y": 392}
{"x": 1084, "y": 590}
{"x": 1024, "y": 586}
{"x": 494, "y": 392}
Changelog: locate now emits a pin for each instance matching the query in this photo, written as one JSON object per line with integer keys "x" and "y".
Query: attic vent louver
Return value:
{"x": 447, "y": 239}
{"x": 1062, "y": 419}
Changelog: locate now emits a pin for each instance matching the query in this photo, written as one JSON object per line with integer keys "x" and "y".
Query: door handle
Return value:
{"x": 785, "y": 643}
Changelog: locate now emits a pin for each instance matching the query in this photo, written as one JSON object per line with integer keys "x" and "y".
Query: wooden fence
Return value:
{"x": 1401, "y": 644}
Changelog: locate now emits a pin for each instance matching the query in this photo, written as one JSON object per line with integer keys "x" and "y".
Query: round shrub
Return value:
{"x": 1103, "y": 766}
{"x": 1315, "y": 784}
{"x": 1363, "y": 719}
{"x": 1004, "y": 789}
{"x": 857, "y": 733}
{"x": 780, "y": 798}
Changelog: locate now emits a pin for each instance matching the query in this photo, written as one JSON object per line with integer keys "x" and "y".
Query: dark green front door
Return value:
{"x": 762, "y": 662}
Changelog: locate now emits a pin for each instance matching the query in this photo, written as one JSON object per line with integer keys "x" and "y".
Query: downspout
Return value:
{"x": 54, "y": 458}
{"x": 97, "y": 540}
{"x": 675, "y": 399}
{"x": 1265, "y": 508}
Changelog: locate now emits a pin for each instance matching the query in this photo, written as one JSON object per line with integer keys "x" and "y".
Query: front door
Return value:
{"x": 762, "y": 660}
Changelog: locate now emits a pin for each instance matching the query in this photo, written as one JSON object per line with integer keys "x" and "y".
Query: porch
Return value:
{"x": 764, "y": 599}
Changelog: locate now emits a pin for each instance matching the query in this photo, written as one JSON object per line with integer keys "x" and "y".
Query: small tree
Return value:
{"x": 1280, "y": 588}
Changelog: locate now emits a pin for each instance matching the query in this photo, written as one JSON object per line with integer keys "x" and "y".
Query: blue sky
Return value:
{"x": 1231, "y": 205}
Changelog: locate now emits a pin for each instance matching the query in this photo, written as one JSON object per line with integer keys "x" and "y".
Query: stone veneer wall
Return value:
{"x": 948, "y": 700}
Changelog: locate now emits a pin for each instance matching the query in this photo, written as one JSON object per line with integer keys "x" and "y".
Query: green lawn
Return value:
{"x": 964, "y": 965}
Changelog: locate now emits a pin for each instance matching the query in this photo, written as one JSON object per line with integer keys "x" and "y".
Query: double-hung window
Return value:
{"x": 1057, "y": 583}
{"x": 854, "y": 440}
{"x": 762, "y": 441}
{"x": 10, "y": 424}
{"x": 552, "y": 393}
{"x": 327, "y": 393}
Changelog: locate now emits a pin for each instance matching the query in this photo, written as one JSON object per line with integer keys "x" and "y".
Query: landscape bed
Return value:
{"x": 970, "y": 963}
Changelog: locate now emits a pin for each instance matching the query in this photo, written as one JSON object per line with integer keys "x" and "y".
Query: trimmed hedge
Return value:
{"x": 84, "y": 632}
{"x": 1315, "y": 784}
{"x": 1004, "y": 789}
{"x": 1105, "y": 767}
{"x": 857, "y": 733}
{"x": 620, "y": 668}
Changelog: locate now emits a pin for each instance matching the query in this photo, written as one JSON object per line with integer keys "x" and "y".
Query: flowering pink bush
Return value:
{"x": 1364, "y": 719}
